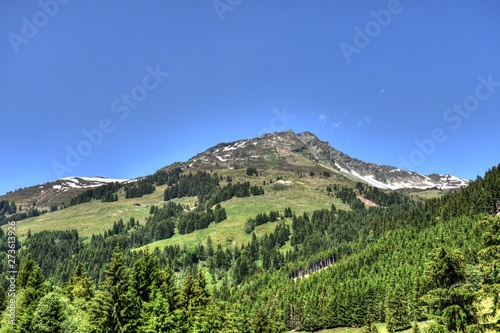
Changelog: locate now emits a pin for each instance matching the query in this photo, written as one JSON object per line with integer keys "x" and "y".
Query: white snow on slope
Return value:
{"x": 85, "y": 182}
{"x": 95, "y": 179}
{"x": 446, "y": 181}
{"x": 239, "y": 144}
{"x": 341, "y": 168}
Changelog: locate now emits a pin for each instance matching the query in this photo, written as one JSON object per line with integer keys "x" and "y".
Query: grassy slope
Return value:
{"x": 305, "y": 194}
{"x": 382, "y": 328}
{"x": 92, "y": 217}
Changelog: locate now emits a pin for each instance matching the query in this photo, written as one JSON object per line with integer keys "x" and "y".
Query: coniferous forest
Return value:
{"x": 404, "y": 263}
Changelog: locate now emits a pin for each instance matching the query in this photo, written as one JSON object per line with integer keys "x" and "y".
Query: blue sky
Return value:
{"x": 126, "y": 87}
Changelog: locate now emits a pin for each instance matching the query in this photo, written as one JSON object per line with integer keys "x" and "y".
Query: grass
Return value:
{"x": 304, "y": 194}
{"x": 382, "y": 328}
{"x": 426, "y": 194}
{"x": 91, "y": 217}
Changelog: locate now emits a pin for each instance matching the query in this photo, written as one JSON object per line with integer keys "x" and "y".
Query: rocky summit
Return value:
{"x": 302, "y": 152}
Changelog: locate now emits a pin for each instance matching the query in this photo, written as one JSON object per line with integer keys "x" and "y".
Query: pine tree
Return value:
{"x": 193, "y": 298}
{"x": 115, "y": 309}
{"x": 452, "y": 301}
{"x": 80, "y": 285}
{"x": 157, "y": 316}
{"x": 144, "y": 275}
{"x": 397, "y": 309}
{"x": 27, "y": 270}
{"x": 49, "y": 315}
{"x": 31, "y": 281}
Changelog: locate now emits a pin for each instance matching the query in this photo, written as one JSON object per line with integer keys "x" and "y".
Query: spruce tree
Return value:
{"x": 49, "y": 315}
{"x": 157, "y": 316}
{"x": 451, "y": 302}
{"x": 310, "y": 317}
{"x": 32, "y": 284}
{"x": 115, "y": 309}
{"x": 397, "y": 309}
{"x": 144, "y": 275}
{"x": 26, "y": 270}
{"x": 80, "y": 285}
{"x": 193, "y": 298}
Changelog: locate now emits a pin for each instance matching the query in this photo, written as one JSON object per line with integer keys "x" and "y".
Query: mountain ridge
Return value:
{"x": 290, "y": 150}
{"x": 285, "y": 151}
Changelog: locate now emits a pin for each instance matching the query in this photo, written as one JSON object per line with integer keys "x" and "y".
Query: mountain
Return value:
{"x": 58, "y": 191}
{"x": 287, "y": 245}
{"x": 281, "y": 151}
{"x": 304, "y": 152}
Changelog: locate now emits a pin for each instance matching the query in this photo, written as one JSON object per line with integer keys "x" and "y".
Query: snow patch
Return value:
{"x": 284, "y": 182}
{"x": 341, "y": 168}
{"x": 86, "y": 182}
{"x": 94, "y": 179}
{"x": 370, "y": 179}
{"x": 73, "y": 185}
{"x": 239, "y": 144}
{"x": 103, "y": 180}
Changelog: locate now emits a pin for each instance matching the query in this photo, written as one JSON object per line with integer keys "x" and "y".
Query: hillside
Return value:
{"x": 284, "y": 152}
{"x": 271, "y": 236}
{"x": 305, "y": 165}
{"x": 304, "y": 194}
{"x": 56, "y": 193}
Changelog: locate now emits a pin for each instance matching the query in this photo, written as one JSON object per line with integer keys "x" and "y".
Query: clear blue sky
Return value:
{"x": 370, "y": 77}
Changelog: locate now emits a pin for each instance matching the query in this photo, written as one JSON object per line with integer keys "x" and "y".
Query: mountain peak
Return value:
{"x": 303, "y": 152}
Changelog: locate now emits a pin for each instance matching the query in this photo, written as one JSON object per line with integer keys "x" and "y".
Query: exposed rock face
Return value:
{"x": 303, "y": 151}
